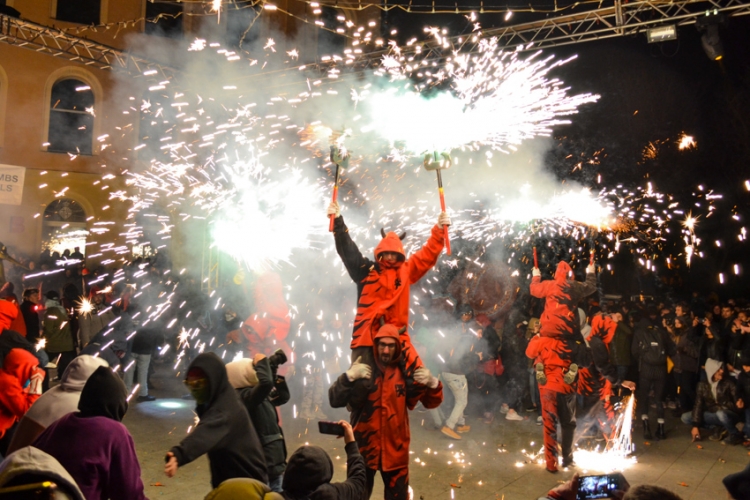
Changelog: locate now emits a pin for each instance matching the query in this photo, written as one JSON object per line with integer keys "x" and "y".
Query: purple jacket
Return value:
{"x": 98, "y": 452}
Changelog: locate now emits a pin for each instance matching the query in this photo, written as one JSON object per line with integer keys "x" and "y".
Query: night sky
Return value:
{"x": 650, "y": 95}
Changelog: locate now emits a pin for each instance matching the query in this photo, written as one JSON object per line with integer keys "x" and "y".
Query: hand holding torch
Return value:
{"x": 437, "y": 162}
{"x": 340, "y": 157}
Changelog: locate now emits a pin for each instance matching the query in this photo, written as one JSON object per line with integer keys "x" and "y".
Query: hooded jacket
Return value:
{"x": 14, "y": 401}
{"x": 381, "y": 423}
{"x": 30, "y": 461}
{"x": 242, "y": 488}
{"x": 57, "y": 328}
{"x": 561, "y": 300}
{"x": 224, "y": 432}
{"x": 714, "y": 396}
{"x": 383, "y": 289}
{"x": 260, "y": 400}
{"x": 93, "y": 445}
{"x": 58, "y": 401}
{"x": 310, "y": 471}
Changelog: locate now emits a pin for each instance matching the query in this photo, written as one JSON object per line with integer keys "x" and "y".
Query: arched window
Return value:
{"x": 64, "y": 226}
{"x": 71, "y": 117}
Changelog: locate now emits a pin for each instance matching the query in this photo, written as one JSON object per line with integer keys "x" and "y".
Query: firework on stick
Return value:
{"x": 339, "y": 157}
{"x": 437, "y": 162}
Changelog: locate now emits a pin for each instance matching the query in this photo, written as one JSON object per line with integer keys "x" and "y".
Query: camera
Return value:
{"x": 276, "y": 359}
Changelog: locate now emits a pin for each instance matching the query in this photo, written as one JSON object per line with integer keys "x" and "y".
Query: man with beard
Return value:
{"x": 381, "y": 422}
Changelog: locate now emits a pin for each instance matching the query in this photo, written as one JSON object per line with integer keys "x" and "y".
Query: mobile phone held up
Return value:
{"x": 332, "y": 428}
{"x": 604, "y": 486}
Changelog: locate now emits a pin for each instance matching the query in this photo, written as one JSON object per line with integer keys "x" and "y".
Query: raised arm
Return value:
{"x": 357, "y": 265}
{"x": 426, "y": 257}
{"x": 256, "y": 395}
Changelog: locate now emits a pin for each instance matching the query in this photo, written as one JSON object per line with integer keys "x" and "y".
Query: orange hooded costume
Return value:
{"x": 15, "y": 401}
{"x": 559, "y": 342}
{"x": 383, "y": 288}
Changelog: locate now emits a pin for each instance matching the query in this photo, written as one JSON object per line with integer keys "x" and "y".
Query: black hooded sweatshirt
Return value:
{"x": 104, "y": 395}
{"x": 225, "y": 431}
{"x": 309, "y": 472}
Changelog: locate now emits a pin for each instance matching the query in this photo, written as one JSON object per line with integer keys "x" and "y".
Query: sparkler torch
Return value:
{"x": 341, "y": 159}
{"x": 536, "y": 261}
{"x": 434, "y": 162}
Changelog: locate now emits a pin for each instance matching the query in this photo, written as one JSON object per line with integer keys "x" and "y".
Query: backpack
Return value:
{"x": 653, "y": 351}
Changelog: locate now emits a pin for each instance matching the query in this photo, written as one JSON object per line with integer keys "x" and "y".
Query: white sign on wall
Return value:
{"x": 11, "y": 184}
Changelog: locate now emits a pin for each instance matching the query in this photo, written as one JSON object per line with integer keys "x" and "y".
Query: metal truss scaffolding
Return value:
{"x": 621, "y": 19}
{"x": 57, "y": 43}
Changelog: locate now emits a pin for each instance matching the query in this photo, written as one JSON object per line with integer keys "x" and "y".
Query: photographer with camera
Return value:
{"x": 261, "y": 391}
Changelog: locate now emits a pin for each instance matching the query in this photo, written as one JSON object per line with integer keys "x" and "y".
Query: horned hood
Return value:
{"x": 391, "y": 243}
{"x": 563, "y": 271}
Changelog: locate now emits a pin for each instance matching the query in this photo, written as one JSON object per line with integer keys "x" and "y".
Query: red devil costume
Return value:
{"x": 266, "y": 330}
{"x": 381, "y": 422}
{"x": 595, "y": 380}
{"x": 383, "y": 288}
{"x": 558, "y": 344}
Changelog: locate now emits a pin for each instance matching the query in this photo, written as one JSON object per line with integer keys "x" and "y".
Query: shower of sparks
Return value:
{"x": 617, "y": 454}
{"x": 686, "y": 142}
{"x": 85, "y": 307}
{"x": 496, "y": 99}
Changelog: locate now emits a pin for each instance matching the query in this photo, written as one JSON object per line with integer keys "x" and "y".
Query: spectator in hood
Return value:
{"x": 261, "y": 391}
{"x": 244, "y": 488}
{"x": 95, "y": 321}
{"x": 716, "y": 405}
{"x": 224, "y": 432}
{"x": 57, "y": 402}
{"x": 743, "y": 394}
{"x": 20, "y": 386}
{"x": 60, "y": 346}
{"x": 309, "y": 473}
{"x": 93, "y": 445}
{"x": 30, "y": 465}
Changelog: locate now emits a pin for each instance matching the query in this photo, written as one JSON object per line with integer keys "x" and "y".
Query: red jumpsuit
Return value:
{"x": 381, "y": 422}
{"x": 557, "y": 345}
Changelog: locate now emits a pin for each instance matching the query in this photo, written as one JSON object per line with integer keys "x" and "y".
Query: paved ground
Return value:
{"x": 487, "y": 464}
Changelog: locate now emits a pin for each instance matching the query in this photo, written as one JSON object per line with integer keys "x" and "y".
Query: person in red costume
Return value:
{"x": 21, "y": 382}
{"x": 554, "y": 350}
{"x": 596, "y": 381}
{"x": 383, "y": 287}
{"x": 267, "y": 328}
{"x": 381, "y": 421}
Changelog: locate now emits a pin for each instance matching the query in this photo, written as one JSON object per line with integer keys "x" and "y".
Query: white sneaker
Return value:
{"x": 513, "y": 415}
{"x": 504, "y": 408}
{"x": 50, "y": 366}
{"x": 539, "y": 420}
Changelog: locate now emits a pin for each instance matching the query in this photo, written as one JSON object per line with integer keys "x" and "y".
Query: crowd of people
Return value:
{"x": 75, "y": 351}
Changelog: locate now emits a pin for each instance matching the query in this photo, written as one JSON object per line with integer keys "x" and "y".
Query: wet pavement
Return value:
{"x": 488, "y": 463}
